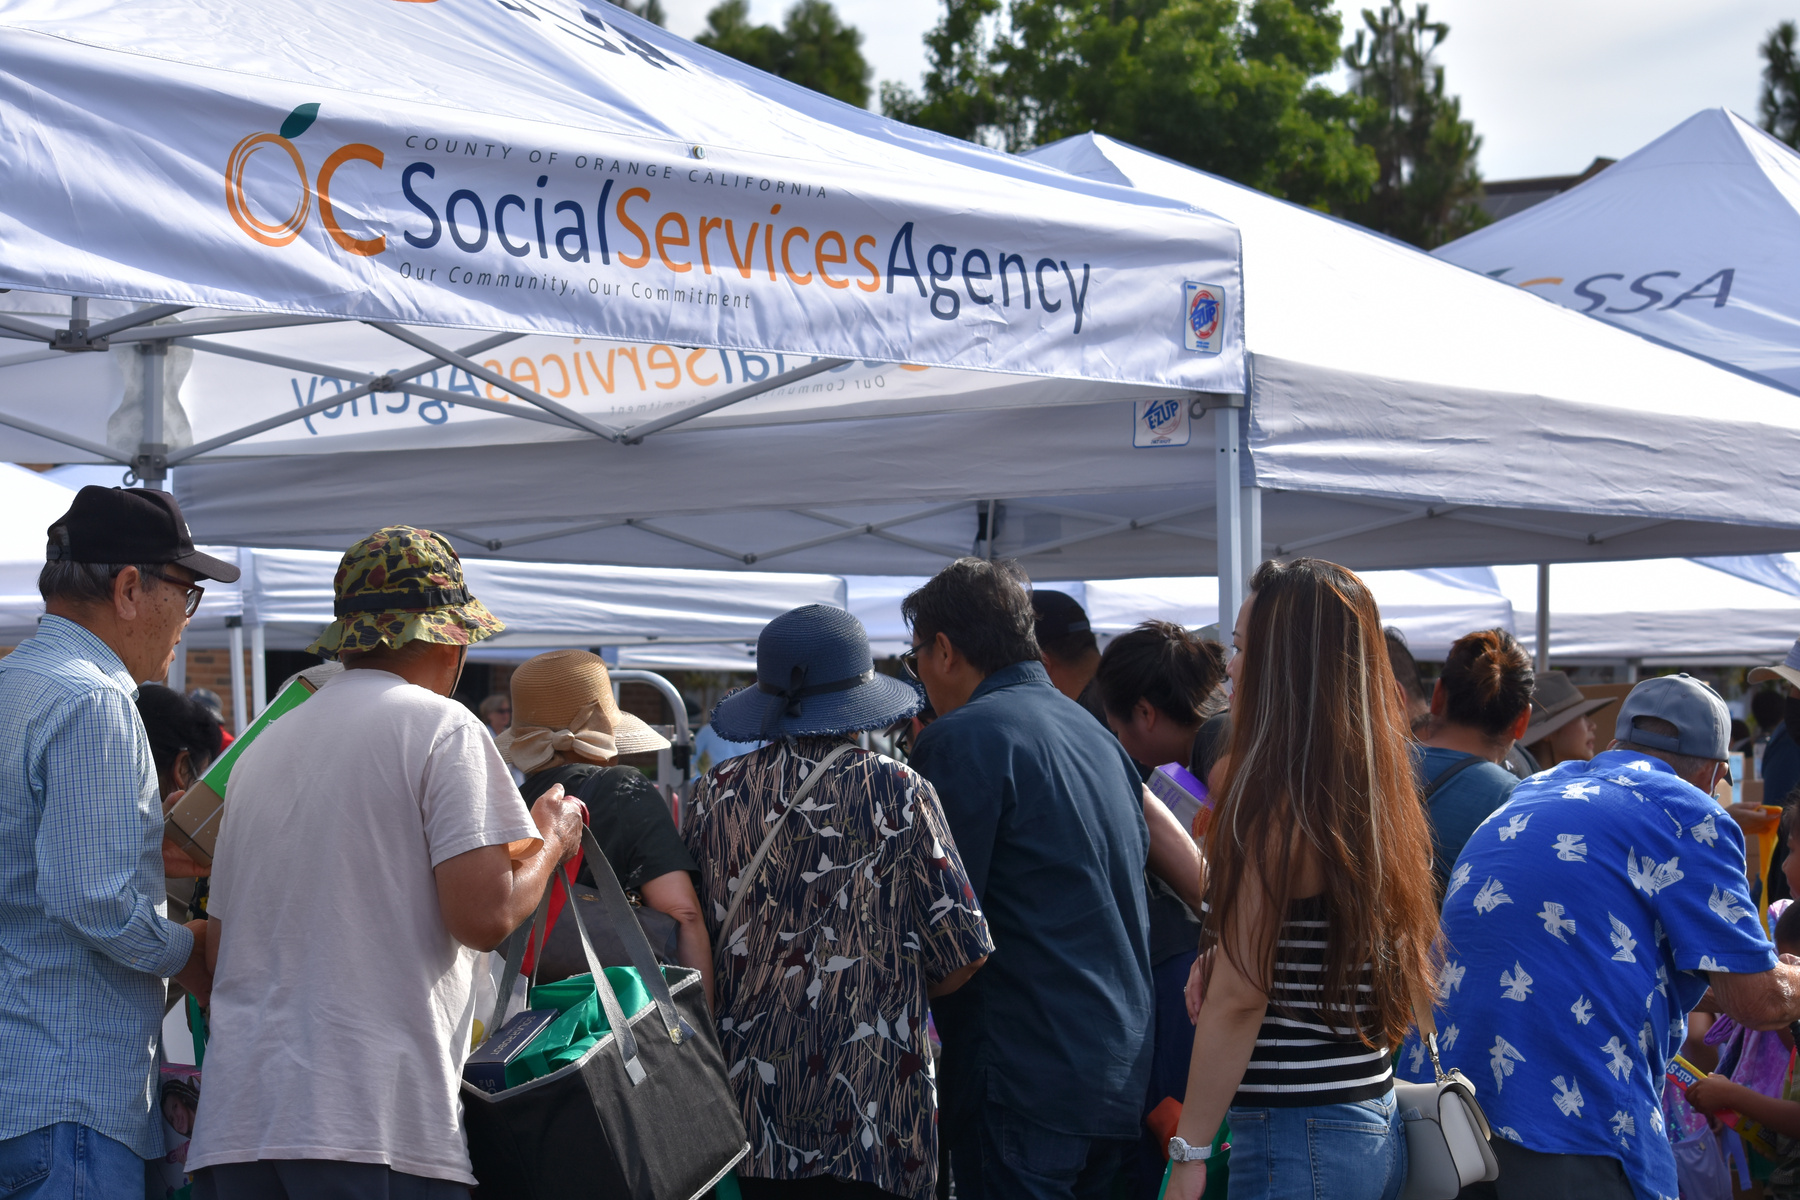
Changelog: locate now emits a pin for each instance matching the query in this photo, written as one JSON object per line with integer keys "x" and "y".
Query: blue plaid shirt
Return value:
{"x": 85, "y": 939}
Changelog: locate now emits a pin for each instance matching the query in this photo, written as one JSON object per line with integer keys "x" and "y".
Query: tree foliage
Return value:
{"x": 813, "y": 48}
{"x": 1780, "y": 103}
{"x": 650, "y": 10}
{"x": 1230, "y": 86}
{"x": 1427, "y": 188}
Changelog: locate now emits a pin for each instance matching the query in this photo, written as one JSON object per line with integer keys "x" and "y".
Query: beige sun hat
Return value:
{"x": 1787, "y": 670}
{"x": 563, "y": 701}
{"x": 1554, "y": 703}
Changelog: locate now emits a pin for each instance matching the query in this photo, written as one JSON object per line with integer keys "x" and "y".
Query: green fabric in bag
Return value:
{"x": 582, "y": 1023}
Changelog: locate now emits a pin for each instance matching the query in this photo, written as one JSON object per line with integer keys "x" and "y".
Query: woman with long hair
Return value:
{"x": 1321, "y": 915}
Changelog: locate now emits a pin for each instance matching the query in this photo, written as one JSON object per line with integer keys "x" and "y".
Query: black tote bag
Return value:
{"x": 645, "y": 1114}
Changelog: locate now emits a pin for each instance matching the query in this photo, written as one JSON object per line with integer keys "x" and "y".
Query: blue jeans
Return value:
{"x": 1335, "y": 1151}
{"x": 68, "y": 1162}
{"x": 1003, "y": 1155}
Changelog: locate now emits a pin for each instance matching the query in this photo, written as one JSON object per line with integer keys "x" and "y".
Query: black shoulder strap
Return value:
{"x": 1451, "y": 772}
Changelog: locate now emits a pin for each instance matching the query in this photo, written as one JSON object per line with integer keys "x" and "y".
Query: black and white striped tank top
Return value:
{"x": 1304, "y": 1056}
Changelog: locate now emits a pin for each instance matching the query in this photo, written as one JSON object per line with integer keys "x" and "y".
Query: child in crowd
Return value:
{"x": 1779, "y": 1115}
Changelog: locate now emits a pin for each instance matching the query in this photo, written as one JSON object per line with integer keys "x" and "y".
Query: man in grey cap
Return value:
{"x": 1585, "y": 918}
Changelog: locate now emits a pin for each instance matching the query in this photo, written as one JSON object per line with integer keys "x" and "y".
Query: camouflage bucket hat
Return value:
{"x": 401, "y": 585}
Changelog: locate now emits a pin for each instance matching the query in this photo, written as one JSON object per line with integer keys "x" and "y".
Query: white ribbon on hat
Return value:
{"x": 529, "y": 747}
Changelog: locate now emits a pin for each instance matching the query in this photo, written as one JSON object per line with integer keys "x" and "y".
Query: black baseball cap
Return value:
{"x": 1058, "y": 614}
{"x": 130, "y": 525}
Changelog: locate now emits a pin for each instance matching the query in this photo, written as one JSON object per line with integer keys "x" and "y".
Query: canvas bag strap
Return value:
{"x": 748, "y": 878}
{"x": 631, "y": 935}
{"x": 603, "y": 988}
{"x": 515, "y": 960}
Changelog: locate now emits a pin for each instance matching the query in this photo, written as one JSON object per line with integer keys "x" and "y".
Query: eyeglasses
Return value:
{"x": 194, "y": 590}
{"x": 909, "y": 662}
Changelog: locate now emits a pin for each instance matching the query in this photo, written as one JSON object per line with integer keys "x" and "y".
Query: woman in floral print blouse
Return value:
{"x": 860, "y": 912}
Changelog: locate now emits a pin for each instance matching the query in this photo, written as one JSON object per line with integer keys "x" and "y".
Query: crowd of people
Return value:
{"x": 1002, "y": 962}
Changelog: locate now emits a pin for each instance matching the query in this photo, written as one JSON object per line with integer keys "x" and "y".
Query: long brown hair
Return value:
{"x": 1320, "y": 754}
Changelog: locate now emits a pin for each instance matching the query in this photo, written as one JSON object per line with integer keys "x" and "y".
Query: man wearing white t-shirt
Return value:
{"x": 373, "y": 842}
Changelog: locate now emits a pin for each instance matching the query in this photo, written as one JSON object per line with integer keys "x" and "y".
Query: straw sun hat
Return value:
{"x": 563, "y": 701}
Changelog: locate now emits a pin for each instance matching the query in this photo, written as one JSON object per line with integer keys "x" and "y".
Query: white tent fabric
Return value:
{"x": 1778, "y": 571}
{"x": 1656, "y": 611}
{"x": 1431, "y": 608}
{"x": 1392, "y": 421}
{"x": 1451, "y": 422}
{"x": 1693, "y": 239}
{"x": 548, "y": 605}
{"x": 660, "y": 192}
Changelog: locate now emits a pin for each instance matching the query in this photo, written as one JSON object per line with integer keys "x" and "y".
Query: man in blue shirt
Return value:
{"x": 85, "y": 942}
{"x": 1584, "y": 920}
{"x": 1047, "y": 1050}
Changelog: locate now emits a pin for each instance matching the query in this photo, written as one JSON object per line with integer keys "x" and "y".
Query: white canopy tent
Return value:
{"x": 1693, "y": 239}
{"x": 283, "y": 598}
{"x": 897, "y": 246}
{"x": 1656, "y": 612}
{"x": 1401, "y": 413}
{"x": 1422, "y": 438}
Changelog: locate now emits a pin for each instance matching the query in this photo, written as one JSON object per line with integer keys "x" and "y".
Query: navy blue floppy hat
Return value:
{"x": 814, "y": 676}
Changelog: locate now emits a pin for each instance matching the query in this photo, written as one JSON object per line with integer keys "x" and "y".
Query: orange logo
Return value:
{"x": 280, "y": 233}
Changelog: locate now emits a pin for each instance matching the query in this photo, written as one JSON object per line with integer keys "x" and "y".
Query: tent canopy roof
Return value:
{"x": 334, "y": 159}
{"x": 1693, "y": 239}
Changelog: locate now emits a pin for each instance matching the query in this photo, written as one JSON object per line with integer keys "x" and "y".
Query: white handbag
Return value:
{"x": 1446, "y": 1133}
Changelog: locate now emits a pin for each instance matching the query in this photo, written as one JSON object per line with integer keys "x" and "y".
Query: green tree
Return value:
{"x": 813, "y": 48}
{"x": 650, "y": 10}
{"x": 1230, "y": 86}
{"x": 1428, "y": 190}
{"x": 1780, "y": 102}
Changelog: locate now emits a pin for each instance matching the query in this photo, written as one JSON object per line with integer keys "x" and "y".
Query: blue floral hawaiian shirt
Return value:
{"x": 1580, "y": 919}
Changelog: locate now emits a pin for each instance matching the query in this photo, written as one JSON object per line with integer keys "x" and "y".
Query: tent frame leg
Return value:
{"x": 151, "y": 465}
{"x": 259, "y": 669}
{"x": 1543, "y": 619}
{"x": 1228, "y": 512}
{"x": 240, "y": 696}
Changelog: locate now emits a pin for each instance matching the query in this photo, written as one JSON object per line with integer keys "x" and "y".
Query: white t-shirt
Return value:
{"x": 342, "y": 1007}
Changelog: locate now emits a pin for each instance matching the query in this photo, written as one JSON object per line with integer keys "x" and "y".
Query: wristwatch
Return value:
{"x": 1180, "y": 1151}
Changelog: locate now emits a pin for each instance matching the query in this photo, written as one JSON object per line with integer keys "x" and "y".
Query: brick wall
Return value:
{"x": 211, "y": 669}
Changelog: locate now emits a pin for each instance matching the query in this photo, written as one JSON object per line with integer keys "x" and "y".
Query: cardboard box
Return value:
{"x": 193, "y": 824}
{"x": 486, "y": 1067}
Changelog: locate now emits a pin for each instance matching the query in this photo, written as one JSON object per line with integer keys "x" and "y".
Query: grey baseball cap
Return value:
{"x": 1701, "y": 720}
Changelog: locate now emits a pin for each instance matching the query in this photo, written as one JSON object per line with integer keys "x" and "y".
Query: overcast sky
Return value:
{"x": 1550, "y": 84}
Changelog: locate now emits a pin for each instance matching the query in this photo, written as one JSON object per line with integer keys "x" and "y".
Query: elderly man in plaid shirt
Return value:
{"x": 85, "y": 940}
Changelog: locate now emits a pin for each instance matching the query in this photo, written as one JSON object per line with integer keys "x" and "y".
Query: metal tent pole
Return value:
{"x": 1229, "y": 512}
{"x": 240, "y": 700}
{"x": 1543, "y": 617}
{"x": 259, "y": 669}
{"x": 151, "y": 463}
{"x": 1250, "y": 504}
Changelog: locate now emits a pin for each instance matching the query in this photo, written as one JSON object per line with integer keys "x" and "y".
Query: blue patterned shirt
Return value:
{"x": 84, "y": 937}
{"x": 1581, "y": 919}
